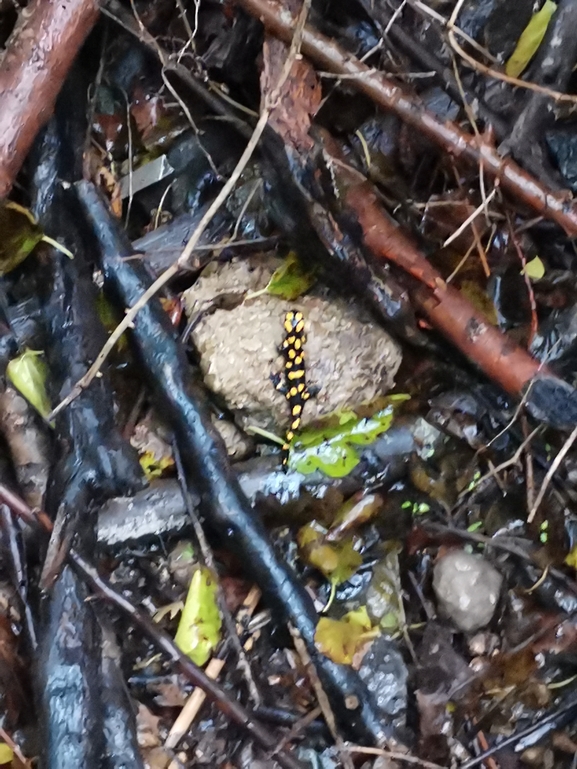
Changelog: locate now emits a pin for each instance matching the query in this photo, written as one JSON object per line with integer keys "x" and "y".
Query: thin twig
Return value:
{"x": 130, "y": 160}
{"x": 550, "y": 473}
{"x": 471, "y": 218}
{"x": 495, "y": 74}
{"x": 300, "y": 726}
{"x": 473, "y": 122}
{"x": 394, "y": 755}
{"x": 424, "y": 8}
{"x": 504, "y": 465}
{"x": 322, "y": 698}
{"x": 529, "y": 474}
{"x": 171, "y": 272}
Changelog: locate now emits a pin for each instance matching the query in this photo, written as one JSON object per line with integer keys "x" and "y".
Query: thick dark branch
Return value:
{"x": 227, "y": 510}
{"x": 162, "y": 641}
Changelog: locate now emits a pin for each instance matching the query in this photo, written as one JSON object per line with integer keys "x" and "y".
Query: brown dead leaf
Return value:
{"x": 300, "y": 94}
{"x": 170, "y": 695}
{"x": 147, "y": 727}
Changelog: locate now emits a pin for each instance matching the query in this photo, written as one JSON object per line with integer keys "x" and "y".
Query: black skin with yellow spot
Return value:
{"x": 294, "y": 385}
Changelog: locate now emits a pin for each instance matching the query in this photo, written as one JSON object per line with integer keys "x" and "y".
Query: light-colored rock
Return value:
{"x": 349, "y": 360}
{"x": 467, "y": 588}
{"x": 238, "y": 445}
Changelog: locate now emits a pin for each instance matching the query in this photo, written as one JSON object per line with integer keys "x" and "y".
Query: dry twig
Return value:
{"x": 550, "y": 473}
{"x": 188, "y": 250}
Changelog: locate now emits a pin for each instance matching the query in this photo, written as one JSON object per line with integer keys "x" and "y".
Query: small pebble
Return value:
{"x": 467, "y": 589}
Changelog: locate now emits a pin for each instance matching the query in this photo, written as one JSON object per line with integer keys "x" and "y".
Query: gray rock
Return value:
{"x": 467, "y": 589}
{"x": 351, "y": 361}
{"x": 156, "y": 512}
{"x": 385, "y": 673}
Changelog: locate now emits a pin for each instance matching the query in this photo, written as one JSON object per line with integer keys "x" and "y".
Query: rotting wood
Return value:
{"x": 38, "y": 56}
{"x": 395, "y": 98}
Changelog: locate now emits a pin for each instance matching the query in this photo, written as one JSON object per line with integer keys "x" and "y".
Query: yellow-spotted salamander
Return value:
{"x": 294, "y": 385}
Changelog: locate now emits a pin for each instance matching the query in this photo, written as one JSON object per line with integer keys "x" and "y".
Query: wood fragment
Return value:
{"x": 38, "y": 56}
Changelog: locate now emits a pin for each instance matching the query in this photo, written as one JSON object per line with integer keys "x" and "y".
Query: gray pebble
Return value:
{"x": 467, "y": 588}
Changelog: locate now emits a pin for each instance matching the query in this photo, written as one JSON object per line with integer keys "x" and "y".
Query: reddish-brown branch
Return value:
{"x": 38, "y": 56}
{"x": 390, "y": 96}
{"x": 447, "y": 309}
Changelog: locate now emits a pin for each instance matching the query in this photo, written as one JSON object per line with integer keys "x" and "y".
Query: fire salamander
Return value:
{"x": 294, "y": 385}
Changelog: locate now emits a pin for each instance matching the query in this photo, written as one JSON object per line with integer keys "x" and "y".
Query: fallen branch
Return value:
{"x": 224, "y": 506}
{"x": 390, "y": 96}
{"x": 39, "y": 521}
{"x": 497, "y": 355}
{"x": 38, "y": 56}
{"x": 446, "y": 308}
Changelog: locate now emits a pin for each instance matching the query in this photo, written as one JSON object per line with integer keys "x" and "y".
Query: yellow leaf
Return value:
{"x": 530, "y": 40}
{"x": 153, "y": 467}
{"x": 535, "y": 269}
{"x": 571, "y": 558}
{"x": 28, "y": 373}
{"x": 6, "y": 753}
{"x": 199, "y": 627}
{"x": 337, "y": 561}
{"x": 341, "y": 639}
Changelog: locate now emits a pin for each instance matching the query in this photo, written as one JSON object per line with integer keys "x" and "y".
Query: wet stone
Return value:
{"x": 349, "y": 361}
{"x": 467, "y": 588}
{"x": 385, "y": 673}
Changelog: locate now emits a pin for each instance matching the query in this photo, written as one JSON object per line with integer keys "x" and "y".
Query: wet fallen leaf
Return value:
{"x": 28, "y": 373}
{"x": 356, "y": 511}
{"x": 341, "y": 639}
{"x": 199, "y": 628}
{"x": 6, "y": 754}
{"x": 155, "y": 454}
{"x": 338, "y": 562}
{"x": 385, "y": 595}
{"x": 155, "y": 467}
{"x": 20, "y": 234}
{"x": 331, "y": 448}
{"x": 530, "y": 40}
{"x": 571, "y": 558}
{"x": 535, "y": 269}
{"x": 288, "y": 281}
